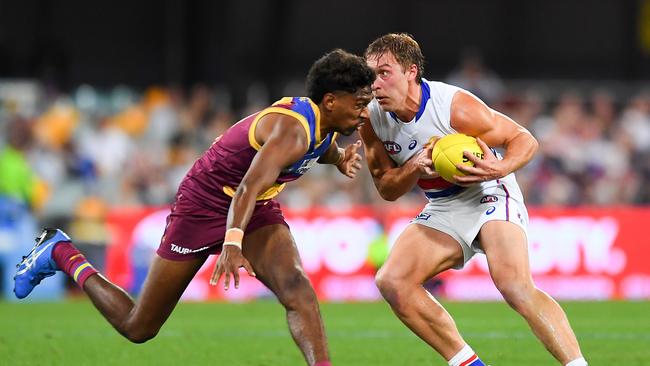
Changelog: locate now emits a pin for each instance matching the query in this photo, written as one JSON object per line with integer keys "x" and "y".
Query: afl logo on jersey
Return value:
{"x": 489, "y": 199}
{"x": 392, "y": 147}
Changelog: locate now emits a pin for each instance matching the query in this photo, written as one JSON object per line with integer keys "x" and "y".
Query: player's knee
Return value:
{"x": 389, "y": 286}
{"x": 141, "y": 336}
{"x": 295, "y": 291}
{"x": 518, "y": 294}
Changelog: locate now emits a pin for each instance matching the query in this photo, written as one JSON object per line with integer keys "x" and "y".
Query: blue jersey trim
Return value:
{"x": 445, "y": 192}
{"x": 426, "y": 95}
{"x": 315, "y": 151}
{"x": 302, "y": 106}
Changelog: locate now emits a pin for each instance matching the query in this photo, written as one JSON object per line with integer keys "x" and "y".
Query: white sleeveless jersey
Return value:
{"x": 402, "y": 140}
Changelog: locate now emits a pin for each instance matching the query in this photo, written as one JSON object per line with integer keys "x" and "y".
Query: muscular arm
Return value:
{"x": 469, "y": 115}
{"x": 333, "y": 154}
{"x": 284, "y": 141}
{"x": 391, "y": 181}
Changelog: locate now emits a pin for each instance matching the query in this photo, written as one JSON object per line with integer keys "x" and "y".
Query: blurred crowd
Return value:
{"x": 78, "y": 154}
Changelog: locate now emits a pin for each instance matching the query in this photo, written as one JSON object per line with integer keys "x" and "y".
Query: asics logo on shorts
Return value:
{"x": 181, "y": 250}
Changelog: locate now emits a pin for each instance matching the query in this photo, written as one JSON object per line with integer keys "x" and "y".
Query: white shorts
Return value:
{"x": 462, "y": 215}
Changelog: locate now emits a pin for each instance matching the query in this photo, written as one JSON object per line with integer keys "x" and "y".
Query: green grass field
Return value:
{"x": 73, "y": 333}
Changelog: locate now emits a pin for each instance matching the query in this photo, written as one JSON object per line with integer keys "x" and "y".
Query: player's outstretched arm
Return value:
{"x": 284, "y": 141}
{"x": 469, "y": 115}
{"x": 392, "y": 181}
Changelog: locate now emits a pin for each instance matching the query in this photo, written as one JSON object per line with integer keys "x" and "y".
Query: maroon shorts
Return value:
{"x": 192, "y": 230}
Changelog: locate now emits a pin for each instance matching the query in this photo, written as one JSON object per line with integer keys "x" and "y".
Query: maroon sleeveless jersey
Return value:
{"x": 196, "y": 224}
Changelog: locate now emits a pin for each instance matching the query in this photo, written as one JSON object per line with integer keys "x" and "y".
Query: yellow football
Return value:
{"x": 448, "y": 151}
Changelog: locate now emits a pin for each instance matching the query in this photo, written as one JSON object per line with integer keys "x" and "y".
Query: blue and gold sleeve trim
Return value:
{"x": 302, "y": 119}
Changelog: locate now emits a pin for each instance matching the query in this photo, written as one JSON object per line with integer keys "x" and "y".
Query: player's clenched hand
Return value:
{"x": 351, "y": 162}
{"x": 229, "y": 262}
{"x": 488, "y": 168}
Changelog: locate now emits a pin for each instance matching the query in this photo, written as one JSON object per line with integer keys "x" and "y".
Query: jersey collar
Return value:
{"x": 426, "y": 94}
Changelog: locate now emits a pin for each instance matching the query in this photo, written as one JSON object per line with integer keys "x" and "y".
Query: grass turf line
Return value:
{"x": 73, "y": 333}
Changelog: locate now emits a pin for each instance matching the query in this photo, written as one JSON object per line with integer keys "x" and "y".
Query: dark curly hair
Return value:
{"x": 338, "y": 70}
{"x": 405, "y": 49}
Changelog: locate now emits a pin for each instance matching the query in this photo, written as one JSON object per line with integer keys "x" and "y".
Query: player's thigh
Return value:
{"x": 506, "y": 248}
{"x": 273, "y": 254}
{"x": 420, "y": 253}
{"x": 163, "y": 287}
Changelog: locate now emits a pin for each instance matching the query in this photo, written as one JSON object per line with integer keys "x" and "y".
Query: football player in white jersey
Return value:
{"x": 484, "y": 212}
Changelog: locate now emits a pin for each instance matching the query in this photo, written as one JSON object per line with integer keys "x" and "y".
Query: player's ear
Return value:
{"x": 329, "y": 99}
{"x": 413, "y": 72}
